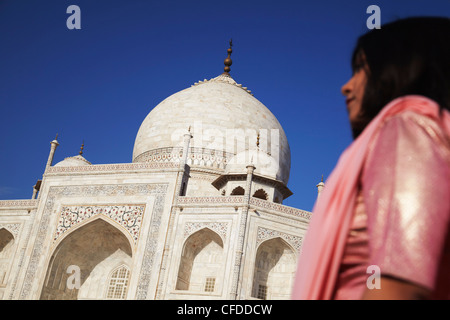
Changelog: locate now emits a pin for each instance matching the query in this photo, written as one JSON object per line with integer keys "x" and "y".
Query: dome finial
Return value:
{"x": 81, "y": 149}
{"x": 228, "y": 61}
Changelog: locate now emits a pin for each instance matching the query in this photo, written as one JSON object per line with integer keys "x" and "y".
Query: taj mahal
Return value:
{"x": 197, "y": 214}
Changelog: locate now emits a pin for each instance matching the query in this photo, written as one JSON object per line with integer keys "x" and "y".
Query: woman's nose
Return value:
{"x": 346, "y": 88}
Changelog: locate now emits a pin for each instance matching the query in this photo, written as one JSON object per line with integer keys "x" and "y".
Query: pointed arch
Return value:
{"x": 274, "y": 270}
{"x": 238, "y": 191}
{"x": 96, "y": 243}
{"x": 89, "y": 220}
{"x": 202, "y": 260}
{"x": 6, "y": 238}
{"x": 6, "y": 253}
{"x": 261, "y": 194}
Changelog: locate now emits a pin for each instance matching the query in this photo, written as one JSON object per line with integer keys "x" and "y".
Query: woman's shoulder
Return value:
{"x": 416, "y": 126}
{"x": 410, "y": 140}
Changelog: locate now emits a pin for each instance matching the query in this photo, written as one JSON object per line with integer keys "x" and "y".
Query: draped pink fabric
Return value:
{"x": 325, "y": 241}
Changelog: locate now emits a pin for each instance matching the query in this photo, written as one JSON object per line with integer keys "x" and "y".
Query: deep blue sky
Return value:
{"x": 98, "y": 84}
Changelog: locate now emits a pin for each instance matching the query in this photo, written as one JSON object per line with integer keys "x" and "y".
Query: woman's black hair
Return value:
{"x": 407, "y": 56}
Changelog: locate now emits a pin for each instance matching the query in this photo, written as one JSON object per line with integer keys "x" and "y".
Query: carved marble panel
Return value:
{"x": 221, "y": 228}
{"x": 127, "y": 216}
{"x": 266, "y": 234}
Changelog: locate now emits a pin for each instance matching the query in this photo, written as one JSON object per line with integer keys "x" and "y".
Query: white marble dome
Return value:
{"x": 75, "y": 161}
{"x": 223, "y": 118}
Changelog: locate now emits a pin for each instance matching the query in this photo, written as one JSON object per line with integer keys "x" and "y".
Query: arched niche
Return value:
{"x": 238, "y": 191}
{"x": 201, "y": 263}
{"x": 260, "y": 194}
{"x": 95, "y": 248}
{"x": 274, "y": 270}
{"x": 6, "y": 253}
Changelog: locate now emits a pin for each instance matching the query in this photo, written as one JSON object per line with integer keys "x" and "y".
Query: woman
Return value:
{"x": 387, "y": 202}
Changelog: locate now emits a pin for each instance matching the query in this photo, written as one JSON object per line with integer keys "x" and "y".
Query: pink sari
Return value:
{"x": 326, "y": 238}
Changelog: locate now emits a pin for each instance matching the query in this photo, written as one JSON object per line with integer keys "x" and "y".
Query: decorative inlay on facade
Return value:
{"x": 221, "y": 228}
{"x": 128, "y": 216}
{"x": 224, "y": 79}
{"x": 264, "y": 204}
{"x": 280, "y": 208}
{"x": 19, "y": 203}
{"x": 266, "y": 234}
{"x": 196, "y": 156}
{"x": 169, "y": 154}
{"x": 14, "y": 228}
{"x": 211, "y": 200}
{"x": 115, "y": 167}
{"x": 200, "y": 176}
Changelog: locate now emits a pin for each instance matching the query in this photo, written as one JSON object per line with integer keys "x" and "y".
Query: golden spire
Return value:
{"x": 228, "y": 61}
{"x": 81, "y": 149}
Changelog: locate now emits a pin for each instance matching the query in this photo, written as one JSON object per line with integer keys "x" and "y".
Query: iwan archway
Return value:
{"x": 274, "y": 271}
{"x": 95, "y": 251}
{"x": 201, "y": 265}
{"x": 6, "y": 253}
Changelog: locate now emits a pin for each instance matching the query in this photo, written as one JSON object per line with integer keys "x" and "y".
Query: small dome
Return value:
{"x": 223, "y": 116}
{"x": 75, "y": 161}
